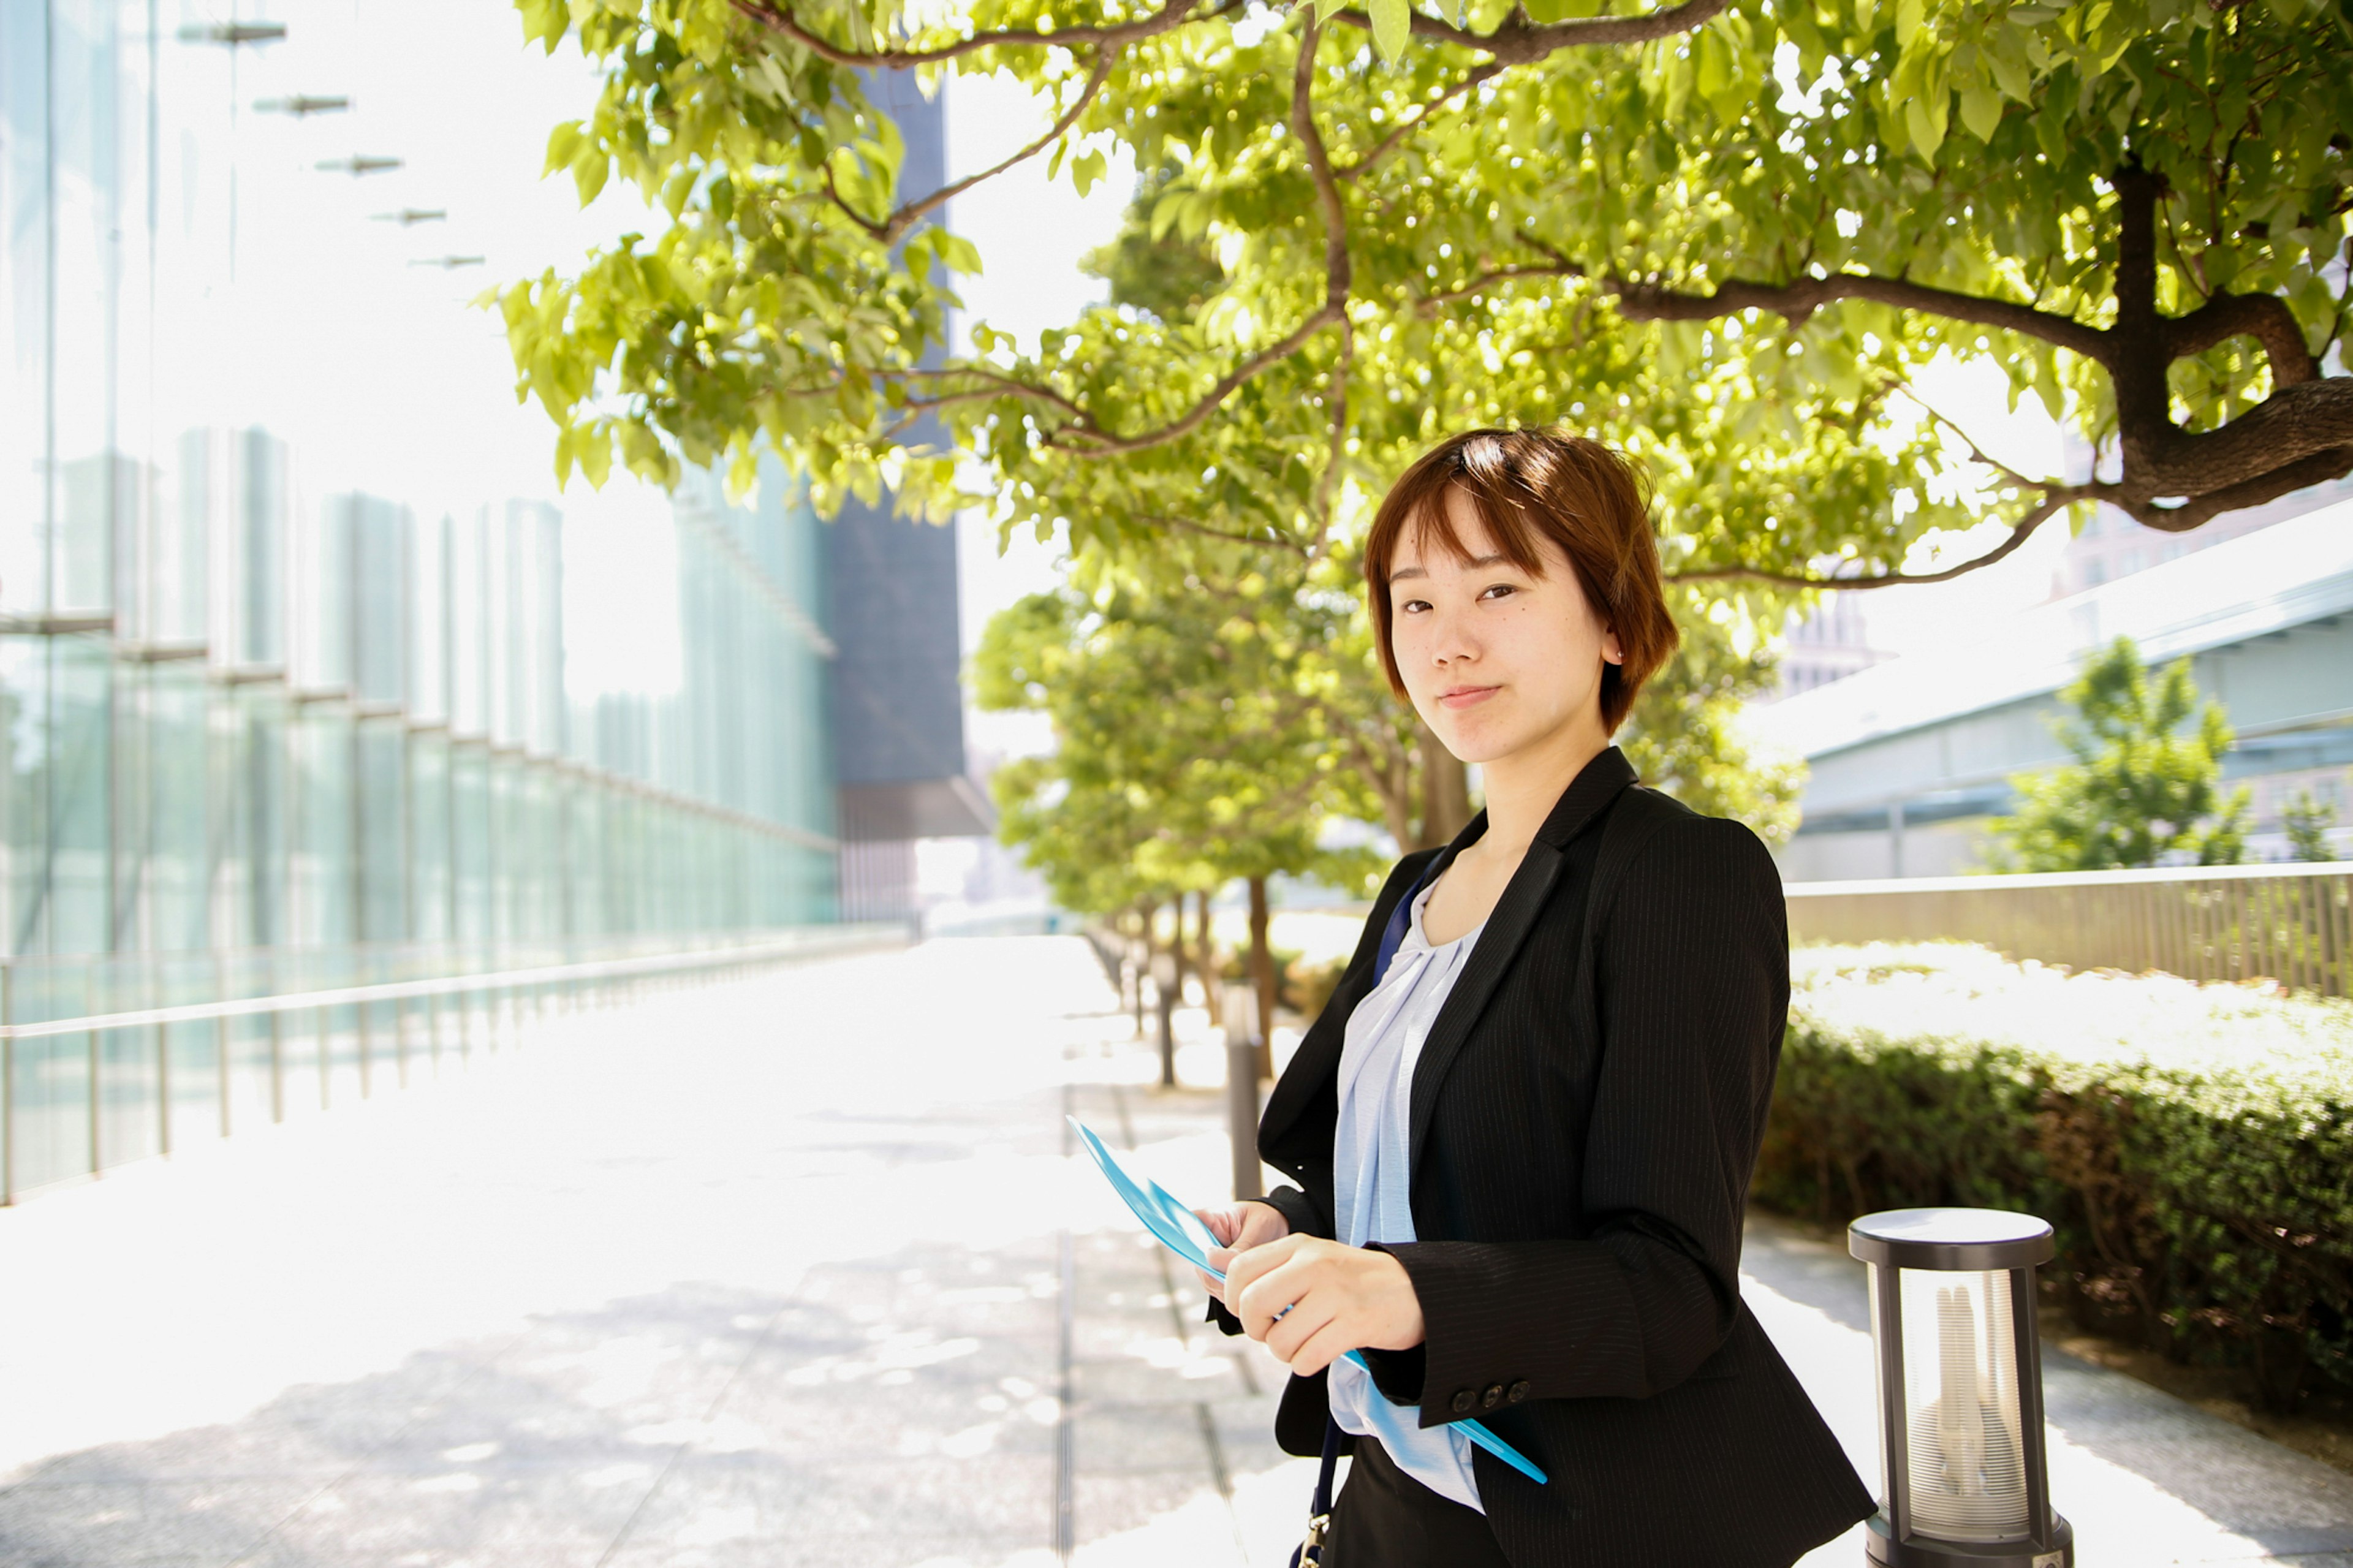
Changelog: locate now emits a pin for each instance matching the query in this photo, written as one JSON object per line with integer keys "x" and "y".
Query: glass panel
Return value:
{"x": 25, "y": 299}
{"x": 470, "y": 678}
{"x": 428, "y": 622}
{"x": 383, "y": 847}
{"x": 320, "y": 604}
{"x": 84, "y": 173}
{"x": 177, "y": 856}
{"x": 258, "y": 550}
{"x": 470, "y": 838}
{"x": 379, "y": 624}
{"x": 430, "y": 883}
{"x": 57, "y": 693}
{"x": 1965, "y": 1464}
{"x": 130, "y": 1097}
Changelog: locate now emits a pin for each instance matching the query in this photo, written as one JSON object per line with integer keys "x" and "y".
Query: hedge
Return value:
{"x": 2193, "y": 1145}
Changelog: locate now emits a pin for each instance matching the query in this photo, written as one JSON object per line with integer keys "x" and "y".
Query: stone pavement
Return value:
{"x": 791, "y": 1271}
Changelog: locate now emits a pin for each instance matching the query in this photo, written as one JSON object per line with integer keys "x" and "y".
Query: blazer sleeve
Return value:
{"x": 1692, "y": 986}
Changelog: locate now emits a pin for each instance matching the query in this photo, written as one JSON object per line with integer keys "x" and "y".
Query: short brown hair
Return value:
{"x": 1591, "y": 500}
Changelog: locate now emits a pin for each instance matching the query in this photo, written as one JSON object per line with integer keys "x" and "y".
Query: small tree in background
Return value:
{"x": 2146, "y": 780}
{"x": 2307, "y": 822}
{"x": 1191, "y": 718}
{"x": 1683, "y": 736}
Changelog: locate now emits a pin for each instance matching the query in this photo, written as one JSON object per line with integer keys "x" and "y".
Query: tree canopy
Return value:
{"x": 1726, "y": 234}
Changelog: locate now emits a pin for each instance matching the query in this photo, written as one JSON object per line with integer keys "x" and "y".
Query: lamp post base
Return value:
{"x": 1919, "y": 1552}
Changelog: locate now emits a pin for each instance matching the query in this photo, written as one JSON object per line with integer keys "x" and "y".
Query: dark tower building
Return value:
{"x": 898, "y": 711}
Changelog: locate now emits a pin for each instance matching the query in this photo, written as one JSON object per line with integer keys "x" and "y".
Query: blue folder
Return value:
{"x": 1180, "y": 1230}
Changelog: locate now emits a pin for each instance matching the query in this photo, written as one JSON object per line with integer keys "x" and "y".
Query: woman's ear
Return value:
{"x": 1611, "y": 652}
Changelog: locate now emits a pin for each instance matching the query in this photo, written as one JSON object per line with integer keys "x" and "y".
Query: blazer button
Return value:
{"x": 1463, "y": 1400}
{"x": 1517, "y": 1392}
{"x": 1492, "y": 1397}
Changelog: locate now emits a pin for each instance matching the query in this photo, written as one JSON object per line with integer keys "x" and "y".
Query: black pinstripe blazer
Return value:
{"x": 1586, "y": 1113}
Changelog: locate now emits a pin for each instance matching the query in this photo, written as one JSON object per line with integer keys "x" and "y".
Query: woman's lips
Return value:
{"x": 1468, "y": 695}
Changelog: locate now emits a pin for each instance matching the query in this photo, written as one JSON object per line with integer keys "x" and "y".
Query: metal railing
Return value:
{"x": 2291, "y": 923}
{"x": 257, "y": 1055}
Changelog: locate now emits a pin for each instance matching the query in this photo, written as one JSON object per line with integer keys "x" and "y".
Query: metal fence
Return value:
{"x": 85, "y": 1092}
{"x": 2292, "y": 924}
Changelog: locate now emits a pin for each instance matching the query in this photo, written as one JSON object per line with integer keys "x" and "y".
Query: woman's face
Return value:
{"x": 1495, "y": 661}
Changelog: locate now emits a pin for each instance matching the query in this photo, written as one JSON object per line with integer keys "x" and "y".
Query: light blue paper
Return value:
{"x": 1180, "y": 1230}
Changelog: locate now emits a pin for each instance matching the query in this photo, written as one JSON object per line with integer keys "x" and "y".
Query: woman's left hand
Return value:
{"x": 1339, "y": 1299}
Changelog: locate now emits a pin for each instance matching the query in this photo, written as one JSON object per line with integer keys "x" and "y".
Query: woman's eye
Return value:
{"x": 1413, "y": 606}
{"x": 1498, "y": 590}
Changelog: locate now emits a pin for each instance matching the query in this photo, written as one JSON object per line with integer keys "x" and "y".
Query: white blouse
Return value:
{"x": 1372, "y": 1185}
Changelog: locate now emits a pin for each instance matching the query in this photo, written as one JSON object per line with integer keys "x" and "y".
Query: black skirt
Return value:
{"x": 1386, "y": 1518}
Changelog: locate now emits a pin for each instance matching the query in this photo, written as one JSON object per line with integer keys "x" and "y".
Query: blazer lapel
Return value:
{"x": 1507, "y": 927}
{"x": 1514, "y": 915}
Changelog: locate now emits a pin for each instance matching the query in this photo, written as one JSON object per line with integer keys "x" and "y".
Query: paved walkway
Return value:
{"x": 795, "y": 1271}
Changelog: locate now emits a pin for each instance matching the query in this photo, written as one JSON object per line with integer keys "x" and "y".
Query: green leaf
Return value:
{"x": 1926, "y": 124}
{"x": 1392, "y": 25}
{"x": 563, "y": 146}
{"x": 1981, "y": 111}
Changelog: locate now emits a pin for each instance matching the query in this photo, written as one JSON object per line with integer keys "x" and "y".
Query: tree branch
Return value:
{"x": 2262, "y": 317}
{"x": 1327, "y": 483}
{"x": 778, "y": 17}
{"x": 1519, "y": 40}
{"x": 1431, "y": 304}
{"x": 1337, "y": 279}
{"x": 1976, "y": 454}
{"x": 1274, "y": 541}
{"x": 1801, "y": 297}
{"x": 2270, "y": 484}
{"x": 2052, "y": 502}
{"x": 912, "y": 212}
{"x": 1405, "y": 128}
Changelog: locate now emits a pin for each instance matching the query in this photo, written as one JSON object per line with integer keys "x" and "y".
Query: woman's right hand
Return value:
{"x": 1238, "y": 1227}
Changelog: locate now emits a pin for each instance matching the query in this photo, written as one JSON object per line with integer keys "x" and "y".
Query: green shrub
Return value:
{"x": 2193, "y": 1145}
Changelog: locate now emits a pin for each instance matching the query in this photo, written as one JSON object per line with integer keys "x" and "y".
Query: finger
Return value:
{"x": 1211, "y": 1283}
{"x": 1271, "y": 1292}
{"x": 1299, "y": 1325}
{"x": 1262, "y": 1223}
{"x": 1245, "y": 1265}
{"x": 1320, "y": 1349}
{"x": 1223, "y": 1223}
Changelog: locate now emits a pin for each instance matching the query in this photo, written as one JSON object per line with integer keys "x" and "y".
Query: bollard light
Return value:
{"x": 1962, "y": 1476}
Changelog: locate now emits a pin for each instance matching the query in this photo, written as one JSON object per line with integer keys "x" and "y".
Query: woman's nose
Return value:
{"x": 1450, "y": 643}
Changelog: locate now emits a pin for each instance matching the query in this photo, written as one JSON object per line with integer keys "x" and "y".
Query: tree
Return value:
{"x": 1189, "y": 719}
{"x": 1726, "y": 233}
{"x": 1683, "y": 736}
{"x": 2141, "y": 786}
{"x": 2307, "y": 822}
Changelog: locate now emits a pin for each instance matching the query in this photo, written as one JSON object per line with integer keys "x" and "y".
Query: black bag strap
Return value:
{"x": 1309, "y": 1552}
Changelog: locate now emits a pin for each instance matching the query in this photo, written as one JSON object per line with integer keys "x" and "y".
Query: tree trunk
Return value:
{"x": 1261, "y": 959}
{"x": 1209, "y": 956}
{"x": 1144, "y": 920}
{"x": 1177, "y": 946}
{"x": 1445, "y": 791}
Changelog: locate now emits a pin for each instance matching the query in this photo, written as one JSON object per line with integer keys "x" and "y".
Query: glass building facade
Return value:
{"x": 270, "y": 731}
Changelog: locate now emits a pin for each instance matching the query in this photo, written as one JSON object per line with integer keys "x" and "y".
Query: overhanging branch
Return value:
{"x": 1519, "y": 40}
{"x": 779, "y": 17}
{"x": 2054, "y": 502}
{"x": 1801, "y": 297}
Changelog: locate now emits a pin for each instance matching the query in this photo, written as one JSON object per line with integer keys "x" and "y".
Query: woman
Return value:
{"x": 1523, "y": 1127}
